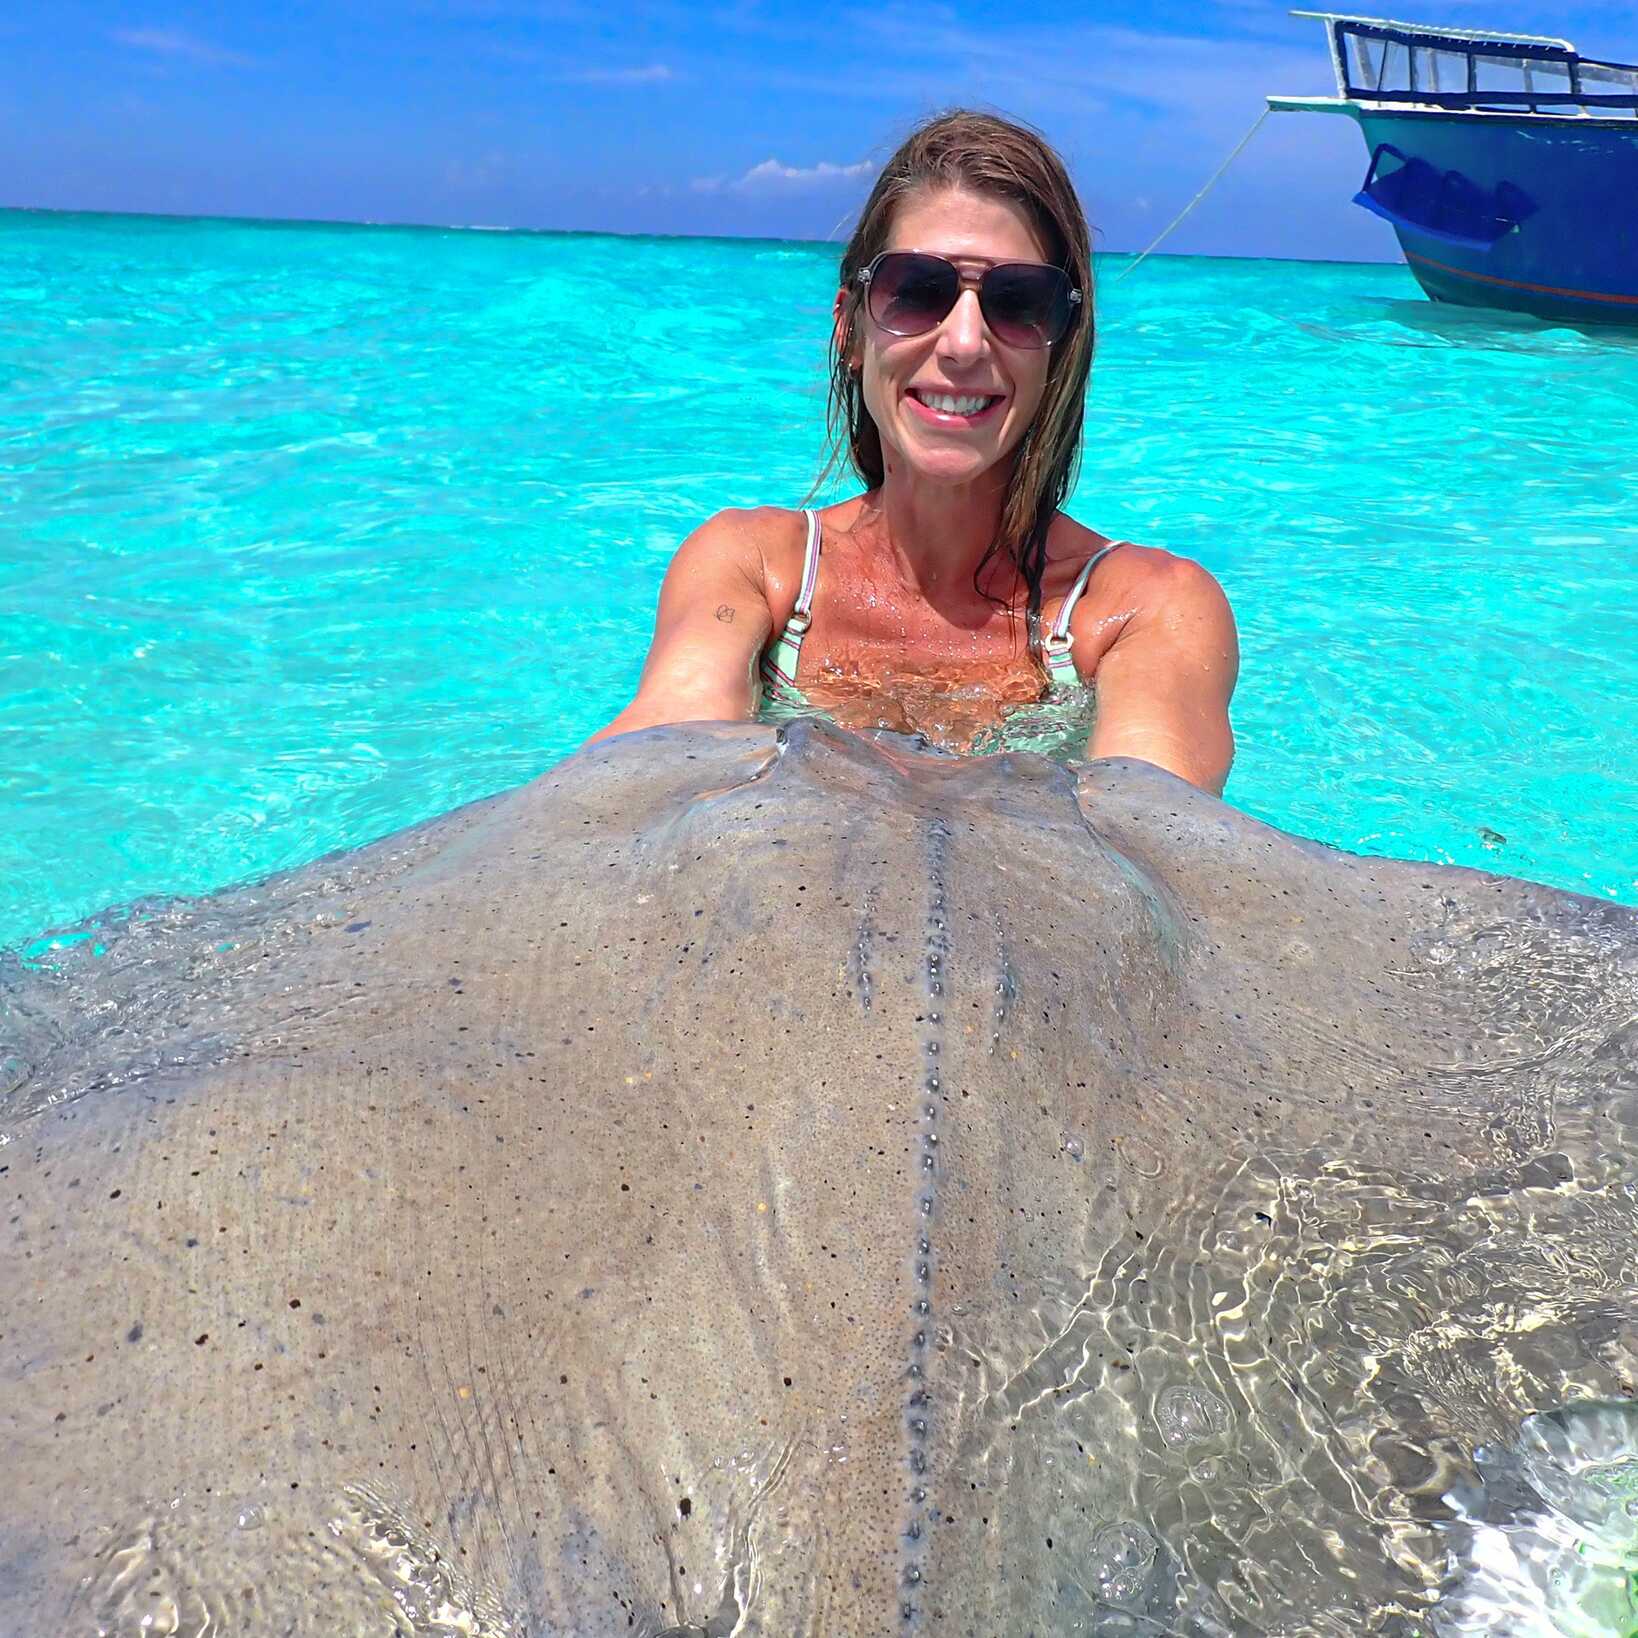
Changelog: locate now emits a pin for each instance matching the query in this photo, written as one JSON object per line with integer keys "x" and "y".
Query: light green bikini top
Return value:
{"x": 1058, "y": 724}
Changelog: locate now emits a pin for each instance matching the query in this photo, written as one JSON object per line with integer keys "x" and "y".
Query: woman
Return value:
{"x": 961, "y": 351}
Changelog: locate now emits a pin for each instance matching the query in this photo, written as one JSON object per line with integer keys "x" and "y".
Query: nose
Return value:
{"x": 963, "y": 335}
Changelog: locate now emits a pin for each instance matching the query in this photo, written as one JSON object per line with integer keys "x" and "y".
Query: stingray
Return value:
{"x": 789, "y": 1182}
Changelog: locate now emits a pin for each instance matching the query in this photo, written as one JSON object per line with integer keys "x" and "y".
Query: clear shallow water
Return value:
{"x": 310, "y": 532}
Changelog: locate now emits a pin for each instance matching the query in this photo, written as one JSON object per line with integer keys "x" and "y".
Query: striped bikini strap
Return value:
{"x": 801, "y": 615}
{"x": 1060, "y": 643}
{"x": 782, "y": 656}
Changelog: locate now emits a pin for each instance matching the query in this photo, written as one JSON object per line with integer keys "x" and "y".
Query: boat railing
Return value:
{"x": 1386, "y": 62}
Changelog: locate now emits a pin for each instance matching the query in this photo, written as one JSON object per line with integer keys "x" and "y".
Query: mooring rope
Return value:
{"x": 1166, "y": 231}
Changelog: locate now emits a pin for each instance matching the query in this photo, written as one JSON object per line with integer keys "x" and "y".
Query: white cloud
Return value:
{"x": 648, "y": 74}
{"x": 177, "y": 43}
{"x": 773, "y": 177}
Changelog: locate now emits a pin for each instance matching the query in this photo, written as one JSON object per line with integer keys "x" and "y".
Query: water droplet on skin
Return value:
{"x": 250, "y": 1518}
{"x": 1073, "y": 1146}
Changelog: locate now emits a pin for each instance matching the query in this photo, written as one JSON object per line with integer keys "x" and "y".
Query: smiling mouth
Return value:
{"x": 954, "y": 408}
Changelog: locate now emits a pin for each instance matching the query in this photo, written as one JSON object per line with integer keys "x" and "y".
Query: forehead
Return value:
{"x": 955, "y": 222}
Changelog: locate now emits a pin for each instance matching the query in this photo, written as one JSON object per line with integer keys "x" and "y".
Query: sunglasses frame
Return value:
{"x": 966, "y": 281}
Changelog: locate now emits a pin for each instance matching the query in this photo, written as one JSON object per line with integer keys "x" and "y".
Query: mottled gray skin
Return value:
{"x": 782, "y": 1185}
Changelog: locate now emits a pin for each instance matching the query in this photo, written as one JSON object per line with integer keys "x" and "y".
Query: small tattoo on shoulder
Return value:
{"x": 725, "y": 613}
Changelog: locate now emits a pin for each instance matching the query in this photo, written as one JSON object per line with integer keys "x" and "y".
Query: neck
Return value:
{"x": 937, "y": 534}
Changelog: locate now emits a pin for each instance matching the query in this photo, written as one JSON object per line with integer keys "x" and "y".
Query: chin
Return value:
{"x": 951, "y": 465}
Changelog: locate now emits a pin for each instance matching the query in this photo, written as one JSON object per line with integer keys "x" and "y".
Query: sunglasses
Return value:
{"x": 1025, "y": 304}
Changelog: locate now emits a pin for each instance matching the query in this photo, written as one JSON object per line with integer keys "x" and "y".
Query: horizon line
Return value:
{"x": 367, "y": 225}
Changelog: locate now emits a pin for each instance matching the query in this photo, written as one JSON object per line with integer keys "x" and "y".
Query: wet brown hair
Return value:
{"x": 983, "y": 154}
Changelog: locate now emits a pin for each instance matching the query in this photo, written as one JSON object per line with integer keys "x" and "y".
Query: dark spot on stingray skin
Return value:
{"x": 135, "y": 1333}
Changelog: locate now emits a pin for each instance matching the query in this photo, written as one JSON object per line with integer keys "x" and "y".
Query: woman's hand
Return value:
{"x": 1165, "y": 682}
{"x": 710, "y": 632}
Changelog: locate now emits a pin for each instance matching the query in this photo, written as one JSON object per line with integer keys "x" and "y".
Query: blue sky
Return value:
{"x": 742, "y": 117}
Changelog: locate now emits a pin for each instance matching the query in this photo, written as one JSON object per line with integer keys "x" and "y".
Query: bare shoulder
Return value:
{"x": 744, "y": 536}
{"x": 1167, "y": 580}
{"x": 1132, "y": 568}
{"x": 1139, "y": 593}
{"x": 756, "y": 549}
{"x": 1146, "y": 574}
{"x": 774, "y": 539}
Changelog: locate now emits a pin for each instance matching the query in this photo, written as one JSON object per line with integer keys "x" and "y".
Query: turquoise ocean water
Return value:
{"x": 310, "y": 531}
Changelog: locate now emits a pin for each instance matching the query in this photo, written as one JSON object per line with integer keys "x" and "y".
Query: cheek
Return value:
{"x": 1029, "y": 382}
{"x": 877, "y": 384}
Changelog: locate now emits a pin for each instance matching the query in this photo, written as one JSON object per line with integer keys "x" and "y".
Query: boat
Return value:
{"x": 1507, "y": 164}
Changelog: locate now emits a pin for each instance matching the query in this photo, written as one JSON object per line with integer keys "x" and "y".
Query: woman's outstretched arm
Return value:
{"x": 711, "y": 629}
{"x": 1165, "y": 682}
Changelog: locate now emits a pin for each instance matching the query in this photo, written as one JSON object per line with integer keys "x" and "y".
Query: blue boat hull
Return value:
{"x": 1558, "y": 194}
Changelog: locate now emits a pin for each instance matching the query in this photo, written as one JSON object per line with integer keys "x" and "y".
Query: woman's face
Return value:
{"x": 961, "y": 357}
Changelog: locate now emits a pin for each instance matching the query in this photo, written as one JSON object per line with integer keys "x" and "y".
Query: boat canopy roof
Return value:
{"x": 1377, "y": 60}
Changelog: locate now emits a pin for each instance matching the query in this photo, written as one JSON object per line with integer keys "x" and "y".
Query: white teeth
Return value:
{"x": 949, "y": 404}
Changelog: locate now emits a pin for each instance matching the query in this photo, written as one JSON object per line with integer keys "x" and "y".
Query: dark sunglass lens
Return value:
{"x": 1026, "y": 306}
{"x": 910, "y": 293}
